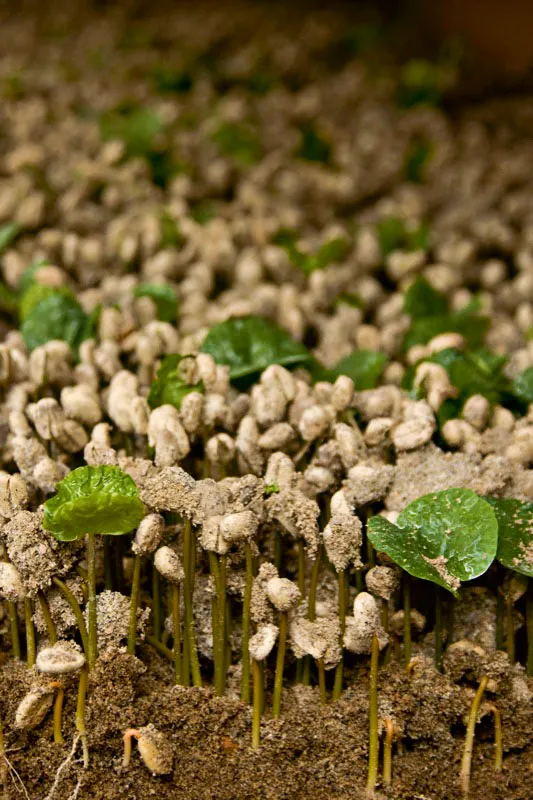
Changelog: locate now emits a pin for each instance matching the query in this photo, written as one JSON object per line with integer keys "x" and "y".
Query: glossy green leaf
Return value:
{"x": 515, "y": 533}
{"x": 28, "y": 276}
{"x": 57, "y": 315}
{"x": 393, "y": 235}
{"x": 422, "y": 300}
{"x": 523, "y": 385}
{"x": 364, "y": 367}
{"x": 444, "y": 537}
{"x": 468, "y": 322}
{"x": 164, "y": 297}
{"x": 8, "y": 234}
{"x": 103, "y": 500}
{"x": 250, "y": 344}
{"x": 169, "y": 386}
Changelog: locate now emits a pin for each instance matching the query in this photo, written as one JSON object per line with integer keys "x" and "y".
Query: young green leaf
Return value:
{"x": 56, "y": 315}
{"x": 164, "y": 297}
{"x": 444, "y": 537}
{"x": 8, "y": 234}
{"x": 250, "y": 344}
{"x": 394, "y": 235}
{"x": 169, "y": 386}
{"x": 327, "y": 253}
{"x": 169, "y": 80}
{"x": 364, "y": 367}
{"x": 515, "y": 533}
{"x": 523, "y": 385}
{"x": 468, "y": 322}
{"x": 103, "y": 500}
{"x": 417, "y": 158}
{"x": 170, "y": 232}
{"x": 422, "y": 300}
{"x": 28, "y": 276}
{"x": 238, "y": 141}
{"x": 421, "y": 84}
{"x": 313, "y": 146}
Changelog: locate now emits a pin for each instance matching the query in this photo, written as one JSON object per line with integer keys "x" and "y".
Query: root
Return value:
{"x": 62, "y": 767}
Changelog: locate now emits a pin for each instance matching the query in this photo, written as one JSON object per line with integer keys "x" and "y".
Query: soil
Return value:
{"x": 313, "y": 751}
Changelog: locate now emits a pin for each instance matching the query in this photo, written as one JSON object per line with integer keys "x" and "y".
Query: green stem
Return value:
{"x": 278, "y": 551}
{"x": 156, "y": 603}
{"x": 189, "y": 563}
{"x": 529, "y": 627}
{"x": 176, "y": 625}
{"x": 30, "y": 632}
{"x": 438, "y": 628}
{"x": 406, "y": 619}
{"x": 373, "y": 741}
{"x": 387, "y": 752}
{"x": 13, "y": 622}
{"x": 498, "y": 741}
{"x": 134, "y": 604}
{"x": 245, "y": 683}
{"x": 257, "y": 703}
{"x": 509, "y": 629}
{"x": 76, "y": 610}
{"x": 322, "y": 681}
{"x": 58, "y": 715}
{"x": 343, "y": 600}
{"x": 48, "y": 621}
{"x": 91, "y": 603}
{"x": 159, "y": 646}
{"x": 80, "y": 712}
{"x": 301, "y": 567}
{"x": 311, "y": 609}
{"x": 218, "y": 571}
{"x": 280, "y": 663}
{"x": 466, "y": 764}
{"x": 108, "y": 573}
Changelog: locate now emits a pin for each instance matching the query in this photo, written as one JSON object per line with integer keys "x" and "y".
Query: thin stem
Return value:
{"x": 322, "y": 681}
{"x": 176, "y": 625}
{"x": 257, "y": 703}
{"x": 156, "y": 603}
{"x": 301, "y": 567}
{"x": 159, "y": 646}
{"x": 218, "y": 625}
{"x": 91, "y": 602}
{"x": 406, "y": 619}
{"x": 13, "y": 622}
{"x": 311, "y": 609}
{"x": 80, "y": 712}
{"x": 466, "y": 763}
{"x": 48, "y": 621}
{"x": 134, "y": 604}
{"x": 30, "y": 632}
{"x": 58, "y": 714}
{"x": 339, "y": 669}
{"x": 438, "y": 628}
{"x": 76, "y": 610}
{"x": 529, "y": 627}
{"x": 189, "y": 563}
{"x": 498, "y": 741}
{"x": 131, "y": 733}
{"x": 280, "y": 662}
{"x": 509, "y": 629}
{"x": 245, "y": 682}
{"x": 108, "y": 573}
{"x": 387, "y": 752}
{"x": 373, "y": 741}
{"x": 385, "y": 625}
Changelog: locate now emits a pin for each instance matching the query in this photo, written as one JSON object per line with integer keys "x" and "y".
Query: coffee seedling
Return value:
{"x": 153, "y": 747}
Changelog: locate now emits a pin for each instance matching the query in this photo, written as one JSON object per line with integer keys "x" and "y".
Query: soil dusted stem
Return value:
{"x": 156, "y": 603}
{"x": 258, "y": 703}
{"x": 134, "y": 603}
{"x": 176, "y": 624}
{"x": 48, "y": 621}
{"x": 91, "y": 603}
{"x": 80, "y": 713}
{"x": 373, "y": 741}
{"x": 339, "y": 669}
{"x": 76, "y": 610}
{"x": 498, "y": 740}
{"x": 219, "y": 622}
{"x": 311, "y": 609}
{"x": 13, "y": 623}
{"x": 30, "y": 633}
{"x": 190, "y": 654}
{"x": 280, "y": 662}
{"x": 466, "y": 764}
{"x": 245, "y": 682}
{"x": 406, "y": 619}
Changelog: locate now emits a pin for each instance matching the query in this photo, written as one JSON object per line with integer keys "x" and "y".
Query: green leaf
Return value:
{"x": 422, "y": 300}
{"x": 351, "y": 299}
{"x": 137, "y": 127}
{"x": 515, "y": 533}
{"x": 238, "y": 141}
{"x": 523, "y": 385}
{"x": 168, "y": 80}
{"x": 102, "y": 500}
{"x": 28, "y": 276}
{"x": 393, "y": 235}
{"x": 364, "y": 367}
{"x": 170, "y": 232}
{"x": 334, "y": 250}
{"x": 313, "y": 146}
{"x": 467, "y": 322}
{"x": 250, "y": 344}
{"x": 169, "y": 386}
{"x": 421, "y": 84}
{"x": 417, "y": 158}
{"x": 444, "y": 537}
{"x": 8, "y": 234}
{"x": 271, "y": 488}
{"x": 164, "y": 297}
{"x": 35, "y": 293}
{"x": 204, "y": 212}
{"x": 56, "y": 315}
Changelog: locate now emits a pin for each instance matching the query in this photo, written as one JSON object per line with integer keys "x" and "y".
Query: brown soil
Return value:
{"x": 313, "y": 751}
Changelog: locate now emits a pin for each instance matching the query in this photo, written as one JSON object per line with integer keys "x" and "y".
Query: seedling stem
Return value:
{"x": 91, "y": 603}
{"x": 30, "y": 633}
{"x": 466, "y": 764}
{"x": 280, "y": 661}
{"x": 373, "y": 741}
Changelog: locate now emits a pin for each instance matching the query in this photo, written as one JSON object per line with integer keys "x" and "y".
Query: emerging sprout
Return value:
{"x": 154, "y": 749}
